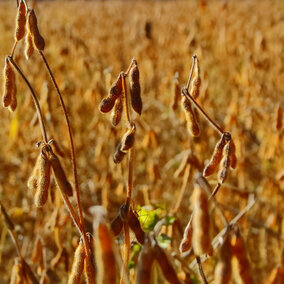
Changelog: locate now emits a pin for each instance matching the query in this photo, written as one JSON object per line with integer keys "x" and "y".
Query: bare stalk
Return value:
{"x": 38, "y": 109}
{"x": 14, "y": 48}
{"x": 201, "y": 270}
{"x": 75, "y": 173}
{"x": 124, "y": 89}
{"x": 126, "y": 252}
{"x": 191, "y": 72}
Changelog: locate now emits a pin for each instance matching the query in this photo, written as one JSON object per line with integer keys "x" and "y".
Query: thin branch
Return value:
{"x": 194, "y": 58}
{"x": 201, "y": 272}
{"x": 37, "y": 105}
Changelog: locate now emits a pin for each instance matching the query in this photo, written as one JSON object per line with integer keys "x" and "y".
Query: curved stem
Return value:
{"x": 38, "y": 109}
{"x": 200, "y": 109}
{"x": 14, "y": 48}
{"x": 73, "y": 158}
{"x": 194, "y": 57}
{"x": 124, "y": 89}
{"x": 201, "y": 270}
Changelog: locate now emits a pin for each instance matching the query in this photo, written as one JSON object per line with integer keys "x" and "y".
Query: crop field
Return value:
{"x": 142, "y": 142}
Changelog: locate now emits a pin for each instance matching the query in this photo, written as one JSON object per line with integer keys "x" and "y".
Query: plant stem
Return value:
{"x": 73, "y": 158}
{"x": 38, "y": 109}
{"x": 124, "y": 89}
{"x": 191, "y": 72}
{"x": 201, "y": 270}
{"x": 130, "y": 175}
{"x": 14, "y": 48}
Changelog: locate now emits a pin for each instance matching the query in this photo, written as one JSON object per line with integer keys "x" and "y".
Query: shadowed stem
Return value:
{"x": 201, "y": 270}
{"x": 126, "y": 252}
{"x": 73, "y": 158}
{"x": 14, "y": 48}
{"x": 194, "y": 58}
{"x": 38, "y": 109}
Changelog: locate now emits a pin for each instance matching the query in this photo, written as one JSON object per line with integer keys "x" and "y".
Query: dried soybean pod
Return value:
{"x": 186, "y": 242}
{"x": 37, "y": 254}
{"x": 225, "y": 163}
{"x": 128, "y": 139}
{"x": 17, "y": 275}
{"x": 176, "y": 93}
{"x": 116, "y": 89}
{"x": 200, "y": 222}
{"x": 192, "y": 124}
{"x": 223, "y": 269}
{"x": 29, "y": 50}
{"x": 279, "y": 116}
{"x": 60, "y": 176}
{"x": 196, "y": 82}
{"x": 117, "y": 111}
{"x": 21, "y": 21}
{"x": 145, "y": 263}
{"x": 33, "y": 180}
{"x": 13, "y": 105}
{"x": 9, "y": 83}
{"x": 165, "y": 265}
{"x": 41, "y": 194}
{"x": 233, "y": 157}
{"x": 116, "y": 225}
{"x": 242, "y": 272}
{"x": 78, "y": 265}
{"x": 104, "y": 254}
{"x": 216, "y": 157}
{"x": 135, "y": 89}
{"x": 7, "y": 219}
{"x": 135, "y": 226}
{"x": 38, "y": 40}
{"x": 118, "y": 154}
{"x": 106, "y": 104}
{"x": 29, "y": 273}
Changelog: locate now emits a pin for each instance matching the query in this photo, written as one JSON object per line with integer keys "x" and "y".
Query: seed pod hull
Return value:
{"x": 38, "y": 40}
{"x": 9, "y": 87}
{"x": 167, "y": 268}
{"x": 29, "y": 49}
{"x": 192, "y": 124}
{"x": 128, "y": 141}
{"x": 145, "y": 263}
{"x": 33, "y": 180}
{"x": 186, "y": 242}
{"x": 78, "y": 265}
{"x": 117, "y": 112}
{"x": 226, "y": 162}
{"x": 118, "y": 154}
{"x": 41, "y": 195}
{"x": 106, "y": 104}
{"x": 21, "y": 21}
{"x": 216, "y": 157}
{"x": 116, "y": 89}
{"x": 201, "y": 223}
{"x": 60, "y": 176}
{"x": 136, "y": 101}
{"x": 116, "y": 226}
{"x": 134, "y": 225}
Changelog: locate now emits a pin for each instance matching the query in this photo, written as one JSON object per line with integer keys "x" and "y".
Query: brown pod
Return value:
{"x": 145, "y": 263}
{"x": 196, "y": 82}
{"x": 38, "y": 40}
{"x": 7, "y": 219}
{"x": 13, "y": 105}
{"x": 186, "y": 242}
{"x": 17, "y": 275}
{"x": 279, "y": 119}
{"x": 9, "y": 83}
{"x": 33, "y": 180}
{"x": 135, "y": 90}
{"x": 116, "y": 89}
{"x": 41, "y": 195}
{"x": 226, "y": 162}
{"x": 118, "y": 154}
{"x": 192, "y": 124}
{"x": 60, "y": 176}
{"x": 21, "y": 21}
{"x": 117, "y": 111}
{"x": 201, "y": 243}
{"x": 135, "y": 226}
{"x": 29, "y": 50}
{"x": 233, "y": 157}
{"x": 242, "y": 262}
{"x": 106, "y": 104}
{"x": 223, "y": 269}
{"x": 128, "y": 139}
{"x": 165, "y": 265}
{"x": 116, "y": 225}
{"x": 216, "y": 157}
{"x": 104, "y": 253}
{"x": 78, "y": 265}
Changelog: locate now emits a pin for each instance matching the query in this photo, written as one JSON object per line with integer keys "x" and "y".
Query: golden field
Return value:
{"x": 240, "y": 47}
